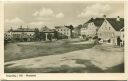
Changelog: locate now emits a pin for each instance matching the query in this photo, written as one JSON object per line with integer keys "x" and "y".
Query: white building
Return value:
{"x": 90, "y": 28}
{"x": 109, "y": 31}
{"x": 24, "y": 34}
{"x": 122, "y": 37}
{"x": 63, "y": 31}
{"x": 7, "y": 36}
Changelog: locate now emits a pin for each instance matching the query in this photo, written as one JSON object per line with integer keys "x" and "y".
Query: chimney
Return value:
{"x": 104, "y": 16}
{"x": 118, "y": 18}
{"x": 92, "y": 19}
{"x": 21, "y": 27}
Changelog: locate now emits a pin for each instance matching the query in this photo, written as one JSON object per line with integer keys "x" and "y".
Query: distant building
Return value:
{"x": 89, "y": 29}
{"x": 7, "y": 36}
{"x": 22, "y": 34}
{"x": 47, "y": 33}
{"x": 71, "y": 30}
{"x": 110, "y": 30}
{"x": 63, "y": 32}
{"x": 77, "y": 31}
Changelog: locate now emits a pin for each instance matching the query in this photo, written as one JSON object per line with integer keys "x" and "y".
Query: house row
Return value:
{"x": 45, "y": 33}
{"x": 20, "y": 34}
{"x": 109, "y": 30}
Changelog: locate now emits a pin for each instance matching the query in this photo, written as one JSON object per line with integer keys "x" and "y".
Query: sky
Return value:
{"x": 51, "y": 14}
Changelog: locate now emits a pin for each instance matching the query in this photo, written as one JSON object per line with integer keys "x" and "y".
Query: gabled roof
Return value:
{"x": 97, "y": 22}
{"x": 117, "y": 25}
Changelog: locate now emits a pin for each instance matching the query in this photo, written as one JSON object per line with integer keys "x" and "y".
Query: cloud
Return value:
{"x": 44, "y": 12}
{"x": 47, "y": 14}
{"x": 117, "y": 13}
{"x": 96, "y": 10}
{"x": 60, "y": 15}
{"x": 14, "y": 23}
{"x": 15, "y": 20}
{"x": 37, "y": 23}
{"x": 40, "y": 24}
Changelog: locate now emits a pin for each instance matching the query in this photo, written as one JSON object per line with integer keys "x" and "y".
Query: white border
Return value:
{"x": 63, "y": 76}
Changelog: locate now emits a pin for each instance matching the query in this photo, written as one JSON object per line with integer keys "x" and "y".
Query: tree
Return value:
{"x": 78, "y": 29}
{"x": 37, "y": 34}
{"x": 71, "y": 28}
{"x": 56, "y": 35}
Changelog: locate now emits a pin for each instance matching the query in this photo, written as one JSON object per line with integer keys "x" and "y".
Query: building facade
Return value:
{"x": 90, "y": 28}
{"x": 47, "y": 33}
{"x": 77, "y": 31}
{"x": 122, "y": 36}
{"x": 63, "y": 32}
{"x": 7, "y": 37}
{"x": 22, "y": 34}
{"x": 109, "y": 31}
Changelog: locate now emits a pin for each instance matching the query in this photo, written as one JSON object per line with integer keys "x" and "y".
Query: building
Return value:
{"x": 122, "y": 37}
{"x": 47, "y": 33}
{"x": 63, "y": 32}
{"x": 110, "y": 30}
{"x": 7, "y": 37}
{"x": 22, "y": 34}
{"x": 90, "y": 28}
{"x": 77, "y": 31}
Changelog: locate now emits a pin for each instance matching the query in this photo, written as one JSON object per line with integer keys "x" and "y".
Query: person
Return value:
{"x": 119, "y": 41}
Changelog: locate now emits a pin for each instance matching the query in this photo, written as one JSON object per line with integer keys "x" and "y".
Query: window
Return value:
{"x": 100, "y": 34}
{"x": 109, "y": 28}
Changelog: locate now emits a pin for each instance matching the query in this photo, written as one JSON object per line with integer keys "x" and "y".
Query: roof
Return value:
{"x": 85, "y": 25}
{"x": 97, "y": 22}
{"x": 117, "y": 25}
{"x": 122, "y": 29}
{"x": 58, "y": 27}
{"x": 46, "y": 29}
{"x": 22, "y": 30}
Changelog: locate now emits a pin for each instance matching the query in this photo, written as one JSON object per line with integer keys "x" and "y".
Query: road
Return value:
{"x": 102, "y": 56}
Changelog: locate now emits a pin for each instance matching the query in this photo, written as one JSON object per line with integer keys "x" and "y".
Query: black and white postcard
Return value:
{"x": 64, "y": 37}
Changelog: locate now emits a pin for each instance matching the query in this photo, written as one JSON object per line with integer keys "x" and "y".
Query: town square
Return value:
{"x": 64, "y": 37}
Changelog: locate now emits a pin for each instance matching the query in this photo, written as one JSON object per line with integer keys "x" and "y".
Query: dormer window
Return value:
{"x": 118, "y": 18}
